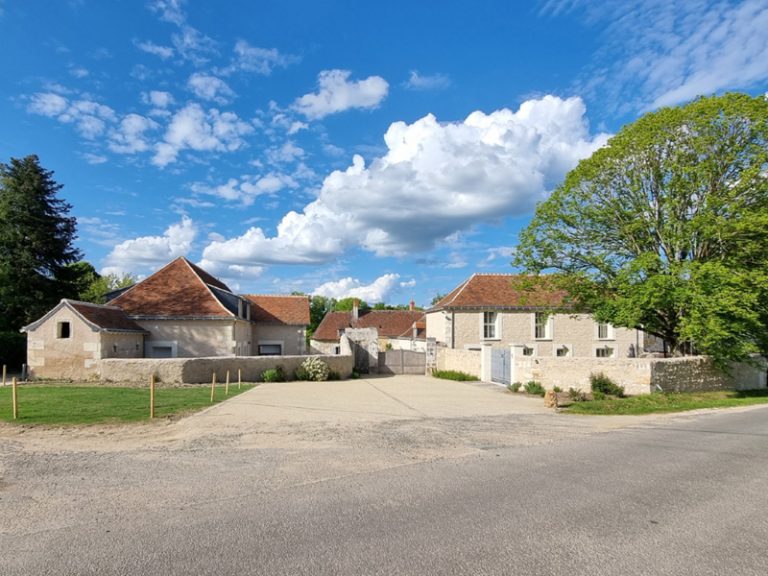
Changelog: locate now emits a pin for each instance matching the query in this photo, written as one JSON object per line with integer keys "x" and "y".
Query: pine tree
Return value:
{"x": 36, "y": 235}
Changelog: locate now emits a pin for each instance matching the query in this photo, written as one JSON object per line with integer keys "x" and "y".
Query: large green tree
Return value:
{"x": 666, "y": 228}
{"x": 36, "y": 242}
{"x": 87, "y": 285}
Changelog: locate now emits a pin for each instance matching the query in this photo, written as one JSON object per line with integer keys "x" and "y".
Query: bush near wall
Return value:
{"x": 13, "y": 349}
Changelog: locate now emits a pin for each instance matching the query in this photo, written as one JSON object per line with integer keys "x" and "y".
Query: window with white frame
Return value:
{"x": 604, "y": 331}
{"x": 604, "y": 352}
{"x": 542, "y": 326}
{"x": 490, "y": 325}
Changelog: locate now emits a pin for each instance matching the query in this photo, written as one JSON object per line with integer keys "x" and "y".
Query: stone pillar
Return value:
{"x": 486, "y": 360}
{"x": 515, "y": 352}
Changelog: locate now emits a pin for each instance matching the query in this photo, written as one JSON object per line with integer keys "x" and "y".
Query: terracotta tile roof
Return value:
{"x": 276, "y": 309}
{"x": 107, "y": 318}
{"x": 502, "y": 291}
{"x": 179, "y": 289}
{"x": 389, "y": 323}
{"x": 103, "y": 318}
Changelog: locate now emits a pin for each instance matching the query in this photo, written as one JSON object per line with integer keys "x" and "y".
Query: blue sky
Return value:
{"x": 386, "y": 150}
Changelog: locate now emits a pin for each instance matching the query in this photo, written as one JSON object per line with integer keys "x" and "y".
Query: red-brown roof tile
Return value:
{"x": 276, "y": 309}
{"x": 107, "y": 318}
{"x": 389, "y": 323}
{"x": 503, "y": 291}
{"x": 177, "y": 290}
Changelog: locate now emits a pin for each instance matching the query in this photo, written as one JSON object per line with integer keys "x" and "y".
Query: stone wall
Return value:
{"x": 633, "y": 374}
{"x": 699, "y": 374}
{"x": 639, "y": 375}
{"x": 200, "y": 370}
{"x": 467, "y": 361}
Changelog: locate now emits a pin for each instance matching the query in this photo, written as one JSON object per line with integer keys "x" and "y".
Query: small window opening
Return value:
{"x": 63, "y": 330}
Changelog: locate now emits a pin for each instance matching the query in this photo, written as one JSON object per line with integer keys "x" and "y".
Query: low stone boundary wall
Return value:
{"x": 200, "y": 370}
{"x": 698, "y": 373}
{"x": 639, "y": 375}
{"x": 467, "y": 361}
{"x": 633, "y": 374}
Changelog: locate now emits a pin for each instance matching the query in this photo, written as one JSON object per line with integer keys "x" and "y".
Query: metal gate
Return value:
{"x": 500, "y": 365}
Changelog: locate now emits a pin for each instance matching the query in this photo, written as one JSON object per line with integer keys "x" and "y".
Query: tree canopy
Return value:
{"x": 666, "y": 228}
{"x": 36, "y": 242}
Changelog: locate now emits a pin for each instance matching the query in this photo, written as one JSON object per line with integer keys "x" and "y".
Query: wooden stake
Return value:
{"x": 152, "y": 396}
{"x": 15, "y": 400}
{"x": 226, "y": 386}
{"x": 4, "y": 372}
{"x": 213, "y": 386}
{"x": 239, "y": 378}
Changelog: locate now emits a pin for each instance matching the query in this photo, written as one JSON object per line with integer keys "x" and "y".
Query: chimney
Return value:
{"x": 412, "y": 305}
{"x": 355, "y": 311}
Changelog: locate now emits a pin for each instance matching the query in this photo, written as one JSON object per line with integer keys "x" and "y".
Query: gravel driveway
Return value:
{"x": 60, "y": 481}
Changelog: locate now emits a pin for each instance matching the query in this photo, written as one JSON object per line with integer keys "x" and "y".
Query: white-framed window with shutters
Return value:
{"x": 490, "y": 326}
{"x": 542, "y": 326}
{"x": 605, "y": 331}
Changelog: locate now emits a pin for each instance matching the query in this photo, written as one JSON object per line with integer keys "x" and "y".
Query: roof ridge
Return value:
{"x": 461, "y": 288}
{"x": 206, "y": 285}
{"x": 94, "y": 304}
{"x": 278, "y": 295}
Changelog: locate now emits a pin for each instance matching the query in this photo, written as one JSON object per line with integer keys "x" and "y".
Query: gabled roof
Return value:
{"x": 99, "y": 317}
{"x": 276, "y": 309}
{"x": 503, "y": 291}
{"x": 178, "y": 290}
{"x": 389, "y": 323}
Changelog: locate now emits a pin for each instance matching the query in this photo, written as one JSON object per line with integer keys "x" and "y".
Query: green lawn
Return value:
{"x": 661, "y": 402}
{"x": 56, "y": 404}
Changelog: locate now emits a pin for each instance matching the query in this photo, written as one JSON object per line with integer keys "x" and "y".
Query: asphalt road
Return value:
{"x": 678, "y": 496}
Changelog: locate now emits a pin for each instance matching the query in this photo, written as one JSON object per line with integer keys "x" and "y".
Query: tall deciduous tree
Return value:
{"x": 666, "y": 228}
{"x": 36, "y": 235}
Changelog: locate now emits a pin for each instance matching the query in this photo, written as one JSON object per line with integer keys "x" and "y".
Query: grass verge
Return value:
{"x": 454, "y": 375}
{"x": 663, "y": 402}
{"x": 51, "y": 404}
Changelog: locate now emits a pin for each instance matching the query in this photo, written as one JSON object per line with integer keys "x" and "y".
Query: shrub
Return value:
{"x": 557, "y": 389}
{"x": 534, "y": 388}
{"x": 601, "y": 383}
{"x": 576, "y": 395}
{"x": 515, "y": 386}
{"x": 355, "y": 375}
{"x": 454, "y": 375}
{"x": 273, "y": 375}
{"x": 316, "y": 369}
{"x": 300, "y": 374}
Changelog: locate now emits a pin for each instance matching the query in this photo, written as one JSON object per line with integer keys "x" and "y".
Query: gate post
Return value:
{"x": 486, "y": 361}
{"x": 515, "y": 352}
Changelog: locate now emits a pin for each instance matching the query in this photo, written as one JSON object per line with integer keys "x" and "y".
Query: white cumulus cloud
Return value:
{"x": 336, "y": 94}
{"x": 418, "y": 81}
{"x": 258, "y": 60}
{"x": 210, "y": 88}
{"x": 89, "y": 117}
{"x": 435, "y": 179}
{"x": 196, "y": 129}
{"x": 246, "y": 188}
{"x": 163, "y": 52}
{"x": 129, "y": 137}
{"x": 377, "y": 291}
{"x": 140, "y": 254}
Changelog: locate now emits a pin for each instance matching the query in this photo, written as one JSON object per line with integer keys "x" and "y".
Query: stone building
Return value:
{"x": 500, "y": 310}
